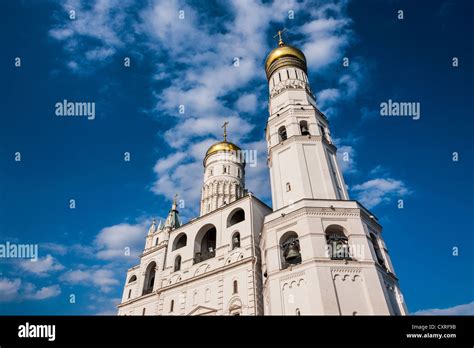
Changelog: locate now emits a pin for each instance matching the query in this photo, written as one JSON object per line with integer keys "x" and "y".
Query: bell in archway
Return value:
{"x": 293, "y": 252}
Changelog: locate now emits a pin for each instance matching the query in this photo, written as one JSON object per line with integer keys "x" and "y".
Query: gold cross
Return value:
{"x": 225, "y": 130}
{"x": 280, "y": 40}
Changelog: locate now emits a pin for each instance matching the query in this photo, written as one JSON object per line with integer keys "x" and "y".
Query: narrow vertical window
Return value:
{"x": 298, "y": 312}
{"x": 177, "y": 263}
{"x": 172, "y": 305}
{"x": 143, "y": 311}
{"x": 288, "y": 187}
{"x": 321, "y": 129}
{"x": 378, "y": 253}
{"x": 129, "y": 293}
{"x": 236, "y": 287}
{"x": 287, "y": 74}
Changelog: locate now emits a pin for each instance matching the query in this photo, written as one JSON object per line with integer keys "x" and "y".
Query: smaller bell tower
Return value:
{"x": 224, "y": 175}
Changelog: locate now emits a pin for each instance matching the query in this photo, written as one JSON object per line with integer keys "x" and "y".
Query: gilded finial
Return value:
{"x": 280, "y": 40}
{"x": 225, "y": 130}
{"x": 175, "y": 200}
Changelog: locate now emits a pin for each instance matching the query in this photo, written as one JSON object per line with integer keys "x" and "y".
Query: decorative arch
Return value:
{"x": 290, "y": 252}
{"x": 304, "y": 127}
{"x": 235, "y": 306}
{"x": 337, "y": 242}
{"x": 180, "y": 241}
{"x": 149, "y": 278}
{"x": 205, "y": 243}
{"x": 236, "y": 216}
{"x": 282, "y": 135}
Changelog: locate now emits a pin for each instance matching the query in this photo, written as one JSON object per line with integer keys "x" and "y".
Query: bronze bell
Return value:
{"x": 293, "y": 252}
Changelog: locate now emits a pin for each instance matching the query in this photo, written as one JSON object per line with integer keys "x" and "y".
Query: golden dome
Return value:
{"x": 294, "y": 57}
{"x": 222, "y": 146}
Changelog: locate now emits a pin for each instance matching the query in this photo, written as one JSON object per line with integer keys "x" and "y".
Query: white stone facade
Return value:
{"x": 228, "y": 282}
{"x": 315, "y": 253}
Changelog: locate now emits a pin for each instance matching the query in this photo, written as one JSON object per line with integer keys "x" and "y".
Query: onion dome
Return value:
{"x": 282, "y": 56}
{"x": 222, "y": 146}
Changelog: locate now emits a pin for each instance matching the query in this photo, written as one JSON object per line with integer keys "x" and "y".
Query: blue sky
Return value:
{"x": 189, "y": 62}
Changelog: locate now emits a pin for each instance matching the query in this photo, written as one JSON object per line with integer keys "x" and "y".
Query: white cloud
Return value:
{"x": 463, "y": 309}
{"x": 378, "y": 170}
{"x": 376, "y": 191}
{"x": 327, "y": 96}
{"x": 112, "y": 242}
{"x": 44, "y": 293}
{"x": 165, "y": 164}
{"x": 346, "y": 155}
{"x": 103, "y": 279}
{"x": 247, "y": 103}
{"x": 327, "y": 33}
{"x": 42, "y": 267}
{"x": 17, "y": 290}
{"x": 99, "y": 53}
{"x": 348, "y": 85}
{"x": 54, "y": 248}
{"x": 9, "y": 289}
{"x": 207, "y": 77}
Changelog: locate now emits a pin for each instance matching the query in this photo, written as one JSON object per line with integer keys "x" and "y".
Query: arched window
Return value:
{"x": 177, "y": 263}
{"x": 180, "y": 241}
{"x": 235, "y": 217}
{"x": 378, "y": 253}
{"x": 149, "y": 278}
{"x": 157, "y": 241}
{"x": 337, "y": 243}
{"x": 304, "y": 128}
{"x": 129, "y": 293}
{"x": 235, "y": 287}
{"x": 298, "y": 312}
{"x": 236, "y": 240}
{"x": 288, "y": 187}
{"x": 290, "y": 253}
{"x": 132, "y": 278}
{"x": 172, "y": 305}
{"x": 205, "y": 243}
{"x": 282, "y": 134}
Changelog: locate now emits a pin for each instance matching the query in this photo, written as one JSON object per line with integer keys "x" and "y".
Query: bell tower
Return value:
{"x": 322, "y": 253}
{"x": 298, "y": 135}
{"x": 224, "y": 175}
